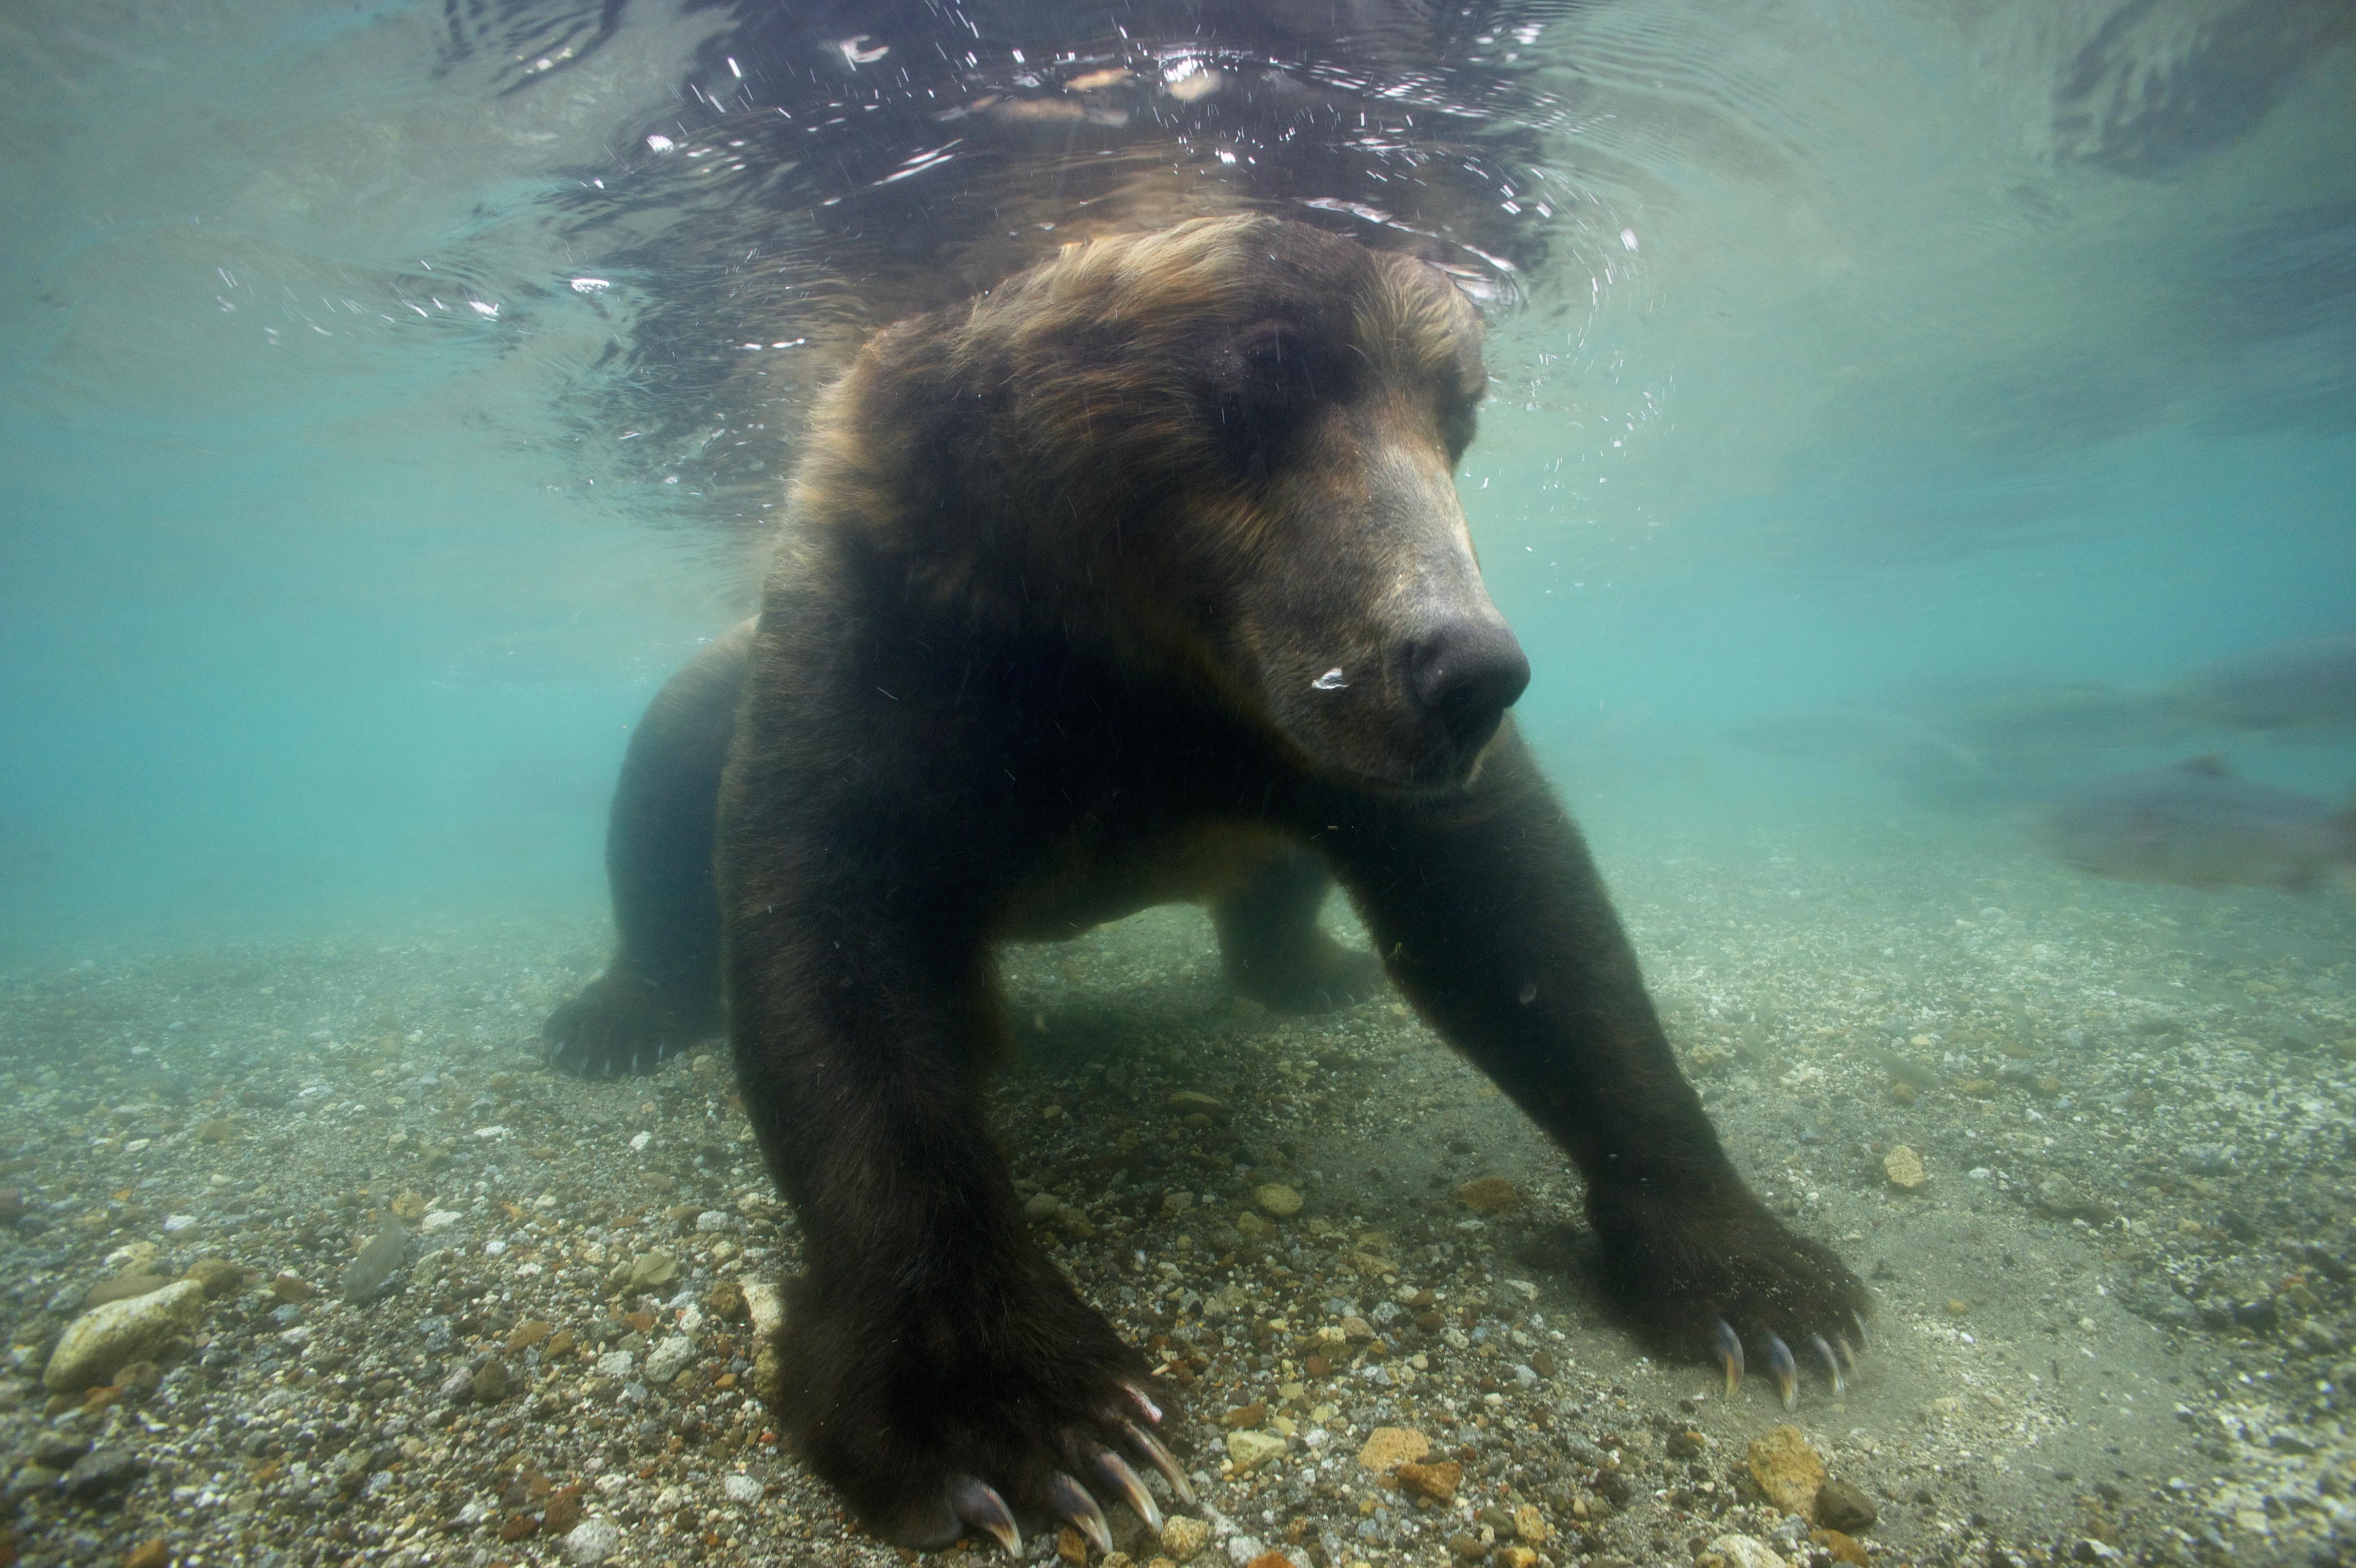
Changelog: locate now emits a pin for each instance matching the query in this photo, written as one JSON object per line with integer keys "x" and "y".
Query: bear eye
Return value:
{"x": 1460, "y": 421}
{"x": 1264, "y": 381}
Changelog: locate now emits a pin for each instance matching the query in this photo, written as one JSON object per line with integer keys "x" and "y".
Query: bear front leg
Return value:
{"x": 1493, "y": 920}
{"x": 934, "y": 1366}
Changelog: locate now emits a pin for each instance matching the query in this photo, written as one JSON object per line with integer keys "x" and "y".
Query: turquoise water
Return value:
{"x": 318, "y": 610}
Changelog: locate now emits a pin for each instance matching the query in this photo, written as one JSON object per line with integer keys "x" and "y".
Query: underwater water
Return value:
{"x": 1916, "y": 430}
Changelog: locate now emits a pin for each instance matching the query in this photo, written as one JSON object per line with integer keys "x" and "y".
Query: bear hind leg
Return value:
{"x": 1277, "y": 954}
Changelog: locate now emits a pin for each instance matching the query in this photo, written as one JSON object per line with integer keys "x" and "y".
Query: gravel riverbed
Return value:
{"x": 2090, "y": 1146}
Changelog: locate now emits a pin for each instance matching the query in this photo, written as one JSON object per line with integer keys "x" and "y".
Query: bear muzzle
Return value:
{"x": 1465, "y": 674}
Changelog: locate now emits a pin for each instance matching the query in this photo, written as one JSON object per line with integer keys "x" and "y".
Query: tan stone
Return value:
{"x": 1787, "y": 1470}
{"x": 1845, "y": 1548}
{"x": 1530, "y": 1526}
{"x": 1488, "y": 1195}
{"x": 1182, "y": 1536}
{"x": 1387, "y": 1447}
{"x": 1904, "y": 1168}
{"x": 1276, "y": 1199}
{"x": 1438, "y": 1482}
{"x": 107, "y": 1337}
{"x": 1248, "y": 1451}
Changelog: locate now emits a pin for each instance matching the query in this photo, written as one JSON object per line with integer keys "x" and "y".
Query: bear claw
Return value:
{"x": 1126, "y": 1484}
{"x": 977, "y": 1503}
{"x": 1783, "y": 1369}
{"x": 1071, "y": 1500}
{"x": 1729, "y": 1348}
{"x": 1831, "y": 1364}
{"x": 1162, "y": 1459}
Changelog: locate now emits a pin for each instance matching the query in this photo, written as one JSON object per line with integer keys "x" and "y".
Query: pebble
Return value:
{"x": 1438, "y": 1482}
{"x": 1248, "y": 1451}
{"x": 1488, "y": 1195}
{"x": 490, "y": 1382}
{"x": 739, "y": 1488}
{"x": 669, "y": 1358}
{"x": 648, "y": 1270}
{"x": 1276, "y": 1199}
{"x": 1739, "y": 1552}
{"x": 107, "y": 1337}
{"x": 1842, "y": 1507}
{"x": 1787, "y": 1469}
{"x": 1904, "y": 1168}
{"x": 1387, "y": 1447}
{"x": 1184, "y": 1536}
{"x": 101, "y": 1471}
{"x": 593, "y": 1540}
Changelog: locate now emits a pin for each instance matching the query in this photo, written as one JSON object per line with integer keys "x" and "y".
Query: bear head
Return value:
{"x": 1227, "y": 448}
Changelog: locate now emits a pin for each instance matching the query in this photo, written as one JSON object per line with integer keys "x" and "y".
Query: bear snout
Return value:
{"x": 1465, "y": 674}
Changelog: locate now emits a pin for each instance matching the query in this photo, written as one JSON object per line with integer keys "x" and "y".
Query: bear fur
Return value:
{"x": 1136, "y": 580}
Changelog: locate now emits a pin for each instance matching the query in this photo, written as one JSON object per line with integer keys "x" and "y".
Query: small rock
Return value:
{"x": 1843, "y": 1548}
{"x": 669, "y": 1359}
{"x": 1250, "y": 1450}
{"x": 615, "y": 1364}
{"x": 1904, "y": 1167}
{"x": 217, "y": 1275}
{"x": 293, "y": 1290}
{"x": 1841, "y": 1506}
{"x": 1739, "y": 1552}
{"x": 59, "y": 1450}
{"x": 100, "y": 1472}
{"x": 104, "y": 1339}
{"x": 564, "y": 1511}
{"x": 490, "y": 1382}
{"x": 122, "y": 1287}
{"x": 1787, "y": 1469}
{"x": 593, "y": 1540}
{"x": 1041, "y": 1206}
{"x": 738, "y": 1488}
{"x": 1686, "y": 1445}
{"x": 1488, "y": 1195}
{"x": 1276, "y": 1199}
{"x": 1184, "y": 1536}
{"x": 1438, "y": 1482}
{"x": 1530, "y": 1526}
{"x": 1245, "y": 1415}
{"x": 149, "y": 1554}
{"x": 528, "y": 1333}
{"x": 765, "y": 1304}
{"x": 1387, "y": 1448}
{"x": 648, "y": 1270}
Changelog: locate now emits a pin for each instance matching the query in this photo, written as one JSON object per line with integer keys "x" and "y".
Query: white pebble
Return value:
{"x": 592, "y": 1541}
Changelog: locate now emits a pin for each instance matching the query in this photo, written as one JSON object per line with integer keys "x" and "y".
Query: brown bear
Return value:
{"x": 1139, "y": 579}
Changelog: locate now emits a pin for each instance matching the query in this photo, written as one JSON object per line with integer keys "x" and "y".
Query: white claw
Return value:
{"x": 1785, "y": 1371}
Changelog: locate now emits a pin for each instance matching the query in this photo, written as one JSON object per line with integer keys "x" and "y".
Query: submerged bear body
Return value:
{"x": 1144, "y": 577}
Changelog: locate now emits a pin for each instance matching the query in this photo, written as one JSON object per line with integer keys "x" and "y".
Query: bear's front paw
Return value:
{"x": 970, "y": 1412}
{"x": 618, "y": 1022}
{"x": 1704, "y": 1279}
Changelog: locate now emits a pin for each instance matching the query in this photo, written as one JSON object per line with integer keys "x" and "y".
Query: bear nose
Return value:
{"x": 1466, "y": 674}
